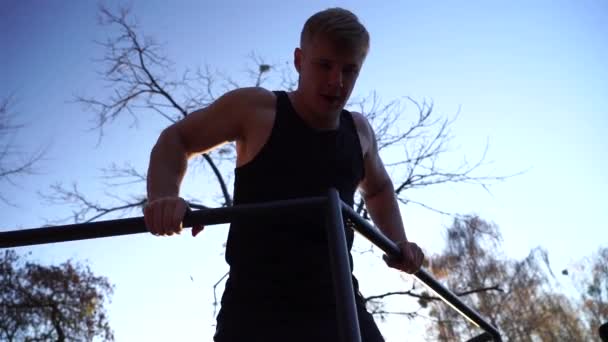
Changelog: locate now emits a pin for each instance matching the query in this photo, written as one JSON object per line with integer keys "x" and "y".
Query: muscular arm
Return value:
{"x": 227, "y": 119}
{"x": 379, "y": 194}
{"x": 168, "y": 163}
{"x": 224, "y": 120}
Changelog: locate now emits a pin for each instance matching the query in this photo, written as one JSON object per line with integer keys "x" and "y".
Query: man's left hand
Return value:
{"x": 411, "y": 258}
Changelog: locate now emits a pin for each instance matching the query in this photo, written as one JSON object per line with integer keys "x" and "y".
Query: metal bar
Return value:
{"x": 484, "y": 337}
{"x": 603, "y": 332}
{"x": 392, "y": 250}
{"x": 92, "y": 230}
{"x": 347, "y": 314}
{"x": 346, "y": 309}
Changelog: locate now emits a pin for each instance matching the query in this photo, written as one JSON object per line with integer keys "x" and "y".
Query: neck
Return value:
{"x": 321, "y": 121}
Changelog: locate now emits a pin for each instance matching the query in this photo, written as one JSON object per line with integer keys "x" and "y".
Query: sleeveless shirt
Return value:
{"x": 283, "y": 261}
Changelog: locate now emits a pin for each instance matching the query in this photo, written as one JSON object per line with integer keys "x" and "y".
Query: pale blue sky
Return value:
{"x": 530, "y": 77}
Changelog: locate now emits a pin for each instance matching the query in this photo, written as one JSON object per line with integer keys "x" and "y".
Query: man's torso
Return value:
{"x": 260, "y": 121}
{"x": 283, "y": 260}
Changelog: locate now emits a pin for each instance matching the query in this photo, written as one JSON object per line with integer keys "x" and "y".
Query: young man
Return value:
{"x": 289, "y": 145}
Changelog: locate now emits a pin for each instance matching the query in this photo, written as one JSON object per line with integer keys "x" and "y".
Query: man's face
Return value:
{"x": 327, "y": 75}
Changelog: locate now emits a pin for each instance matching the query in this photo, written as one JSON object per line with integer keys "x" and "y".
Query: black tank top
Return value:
{"x": 284, "y": 260}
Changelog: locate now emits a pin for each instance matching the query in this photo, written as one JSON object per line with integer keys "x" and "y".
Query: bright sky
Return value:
{"x": 529, "y": 77}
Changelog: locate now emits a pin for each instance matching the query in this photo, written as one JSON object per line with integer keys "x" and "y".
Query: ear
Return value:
{"x": 297, "y": 59}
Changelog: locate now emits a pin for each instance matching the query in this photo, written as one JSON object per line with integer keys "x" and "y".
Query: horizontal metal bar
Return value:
{"x": 92, "y": 230}
{"x": 392, "y": 250}
{"x": 99, "y": 229}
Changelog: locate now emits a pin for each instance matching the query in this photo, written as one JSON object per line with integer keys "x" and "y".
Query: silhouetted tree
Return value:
{"x": 145, "y": 85}
{"x": 14, "y": 163}
{"x": 523, "y": 304}
{"x": 136, "y": 67}
{"x": 51, "y": 303}
{"x": 591, "y": 279}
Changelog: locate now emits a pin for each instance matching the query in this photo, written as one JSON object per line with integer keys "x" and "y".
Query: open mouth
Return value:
{"x": 331, "y": 99}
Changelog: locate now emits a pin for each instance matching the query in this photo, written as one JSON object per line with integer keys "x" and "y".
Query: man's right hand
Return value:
{"x": 164, "y": 216}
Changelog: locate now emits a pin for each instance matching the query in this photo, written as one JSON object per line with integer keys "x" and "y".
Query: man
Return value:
{"x": 289, "y": 145}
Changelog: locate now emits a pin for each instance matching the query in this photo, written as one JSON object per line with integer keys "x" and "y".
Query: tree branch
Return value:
{"x": 431, "y": 298}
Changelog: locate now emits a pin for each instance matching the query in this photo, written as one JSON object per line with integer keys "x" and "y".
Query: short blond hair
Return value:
{"x": 341, "y": 26}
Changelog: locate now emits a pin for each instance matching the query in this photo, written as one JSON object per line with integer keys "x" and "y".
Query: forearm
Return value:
{"x": 383, "y": 208}
{"x": 168, "y": 164}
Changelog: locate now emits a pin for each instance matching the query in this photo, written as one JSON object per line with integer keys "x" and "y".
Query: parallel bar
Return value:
{"x": 392, "y": 250}
{"x": 484, "y": 337}
{"x": 346, "y": 309}
{"x": 347, "y": 314}
{"x": 92, "y": 230}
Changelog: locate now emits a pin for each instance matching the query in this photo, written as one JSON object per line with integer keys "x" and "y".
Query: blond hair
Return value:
{"x": 341, "y": 27}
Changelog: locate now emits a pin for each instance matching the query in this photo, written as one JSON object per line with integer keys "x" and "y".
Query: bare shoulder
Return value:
{"x": 364, "y": 130}
{"x": 251, "y": 97}
{"x": 232, "y": 117}
{"x": 254, "y": 110}
{"x": 258, "y": 106}
{"x": 259, "y": 111}
{"x": 259, "y": 95}
{"x": 361, "y": 122}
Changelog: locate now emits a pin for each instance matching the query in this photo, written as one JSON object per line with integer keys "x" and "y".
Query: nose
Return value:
{"x": 335, "y": 78}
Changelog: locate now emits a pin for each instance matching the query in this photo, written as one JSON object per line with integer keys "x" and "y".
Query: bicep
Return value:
{"x": 376, "y": 176}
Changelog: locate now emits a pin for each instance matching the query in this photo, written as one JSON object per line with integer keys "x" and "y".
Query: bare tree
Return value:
{"x": 590, "y": 277}
{"x": 145, "y": 85}
{"x": 136, "y": 67}
{"x": 14, "y": 163}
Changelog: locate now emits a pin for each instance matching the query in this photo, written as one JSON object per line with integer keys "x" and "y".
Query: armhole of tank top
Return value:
{"x": 353, "y": 125}
{"x": 271, "y": 136}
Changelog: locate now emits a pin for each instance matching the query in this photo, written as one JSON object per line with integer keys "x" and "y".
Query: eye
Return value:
{"x": 350, "y": 70}
{"x": 324, "y": 65}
